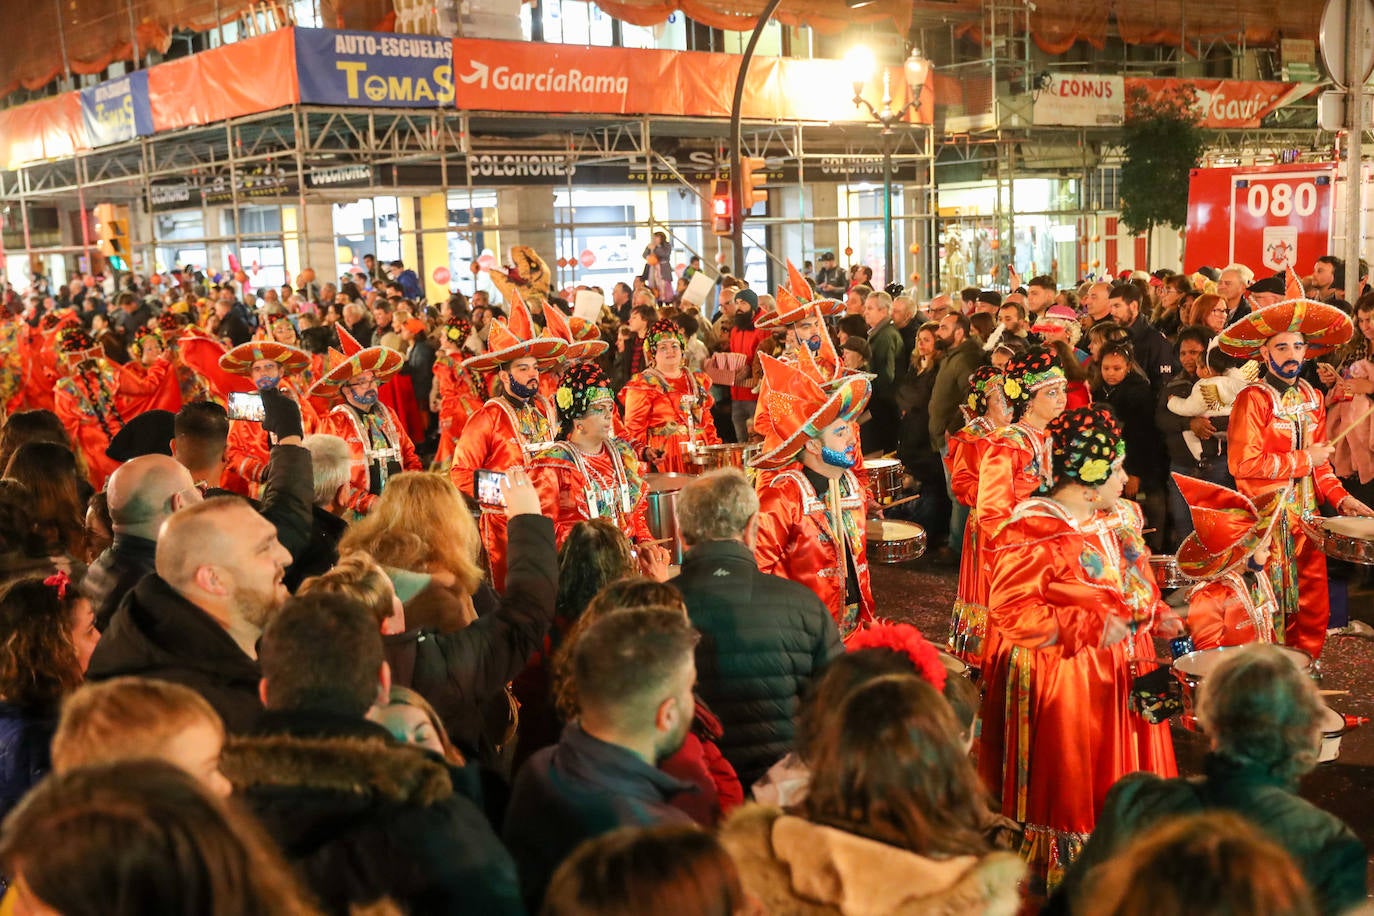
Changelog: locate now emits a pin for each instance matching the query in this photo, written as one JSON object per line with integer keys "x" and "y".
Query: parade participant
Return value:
{"x": 584, "y": 345}
{"x": 986, "y": 412}
{"x": 178, "y": 335}
{"x": 372, "y": 430}
{"x": 1276, "y": 440}
{"x": 268, "y": 365}
{"x": 94, "y": 399}
{"x": 803, "y": 316}
{"x": 146, "y": 348}
{"x": 457, "y": 392}
{"x": 1072, "y": 604}
{"x": 808, "y": 491}
{"x": 588, "y": 473}
{"x": 45, "y": 362}
{"x": 13, "y": 337}
{"x": 1233, "y": 602}
{"x": 667, "y": 406}
{"x": 510, "y": 427}
{"x": 1016, "y": 458}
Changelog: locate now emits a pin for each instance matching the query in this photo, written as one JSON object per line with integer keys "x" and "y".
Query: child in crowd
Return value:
{"x": 1220, "y": 379}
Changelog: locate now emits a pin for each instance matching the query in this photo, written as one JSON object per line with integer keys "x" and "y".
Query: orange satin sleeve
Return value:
{"x": 996, "y": 489}
{"x": 246, "y": 450}
{"x": 777, "y": 524}
{"x": 1034, "y": 602}
{"x": 1207, "y": 615}
{"x": 1330, "y": 490}
{"x": 965, "y": 454}
{"x": 640, "y": 402}
{"x": 472, "y": 449}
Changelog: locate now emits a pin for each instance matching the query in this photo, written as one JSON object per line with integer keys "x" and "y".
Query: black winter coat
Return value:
{"x": 1134, "y": 406}
{"x": 159, "y": 634}
{"x": 464, "y": 672}
{"x": 763, "y": 640}
{"x": 361, "y": 817}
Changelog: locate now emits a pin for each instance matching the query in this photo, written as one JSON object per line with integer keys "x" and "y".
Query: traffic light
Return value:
{"x": 112, "y": 228}
{"x": 722, "y": 208}
{"x": 751, "y": 182}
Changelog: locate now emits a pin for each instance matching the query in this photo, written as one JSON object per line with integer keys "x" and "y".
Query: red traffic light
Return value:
{"x": 722, "y": 208}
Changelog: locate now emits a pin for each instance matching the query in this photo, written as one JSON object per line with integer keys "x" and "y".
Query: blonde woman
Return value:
{"x": 421, "y": 530}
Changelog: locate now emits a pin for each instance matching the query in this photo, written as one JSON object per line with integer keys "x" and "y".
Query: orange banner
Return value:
{"x": 257, "y": 74}
{"x": 522, "y": 76}
{"x": 47, "y": 129}
{"x": 1229, "y": 104}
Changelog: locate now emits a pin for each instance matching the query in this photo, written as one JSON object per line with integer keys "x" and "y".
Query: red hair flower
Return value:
{"x": 904, "y": 638}
{"x": 59, "y": 581}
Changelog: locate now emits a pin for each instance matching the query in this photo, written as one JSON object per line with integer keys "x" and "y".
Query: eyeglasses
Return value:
{"x": 363, "y": 383}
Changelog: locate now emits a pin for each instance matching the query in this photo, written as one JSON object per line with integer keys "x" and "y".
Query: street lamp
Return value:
{"x": 860, "y": 62}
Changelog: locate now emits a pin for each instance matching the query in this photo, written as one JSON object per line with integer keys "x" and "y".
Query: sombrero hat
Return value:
{"x": 515, "y": 339}
{"x": 583, "y": 339}
{"x": 1325, "y": 327}
{"x": 796, "y": 408}
{"x": 354, "y": 360}
{"x": 240, "y": 359}
{"x": 1227, "y": 526}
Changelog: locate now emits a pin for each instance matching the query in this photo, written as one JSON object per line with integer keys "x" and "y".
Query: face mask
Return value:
{"x": 268, "y": 382}
{"x": 524, "y": 391}
{"x": 837, "y": 459}
{"x": 364, "y": 400}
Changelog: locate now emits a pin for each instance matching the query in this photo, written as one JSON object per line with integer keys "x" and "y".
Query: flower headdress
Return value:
{"x": 1087, "y": 442}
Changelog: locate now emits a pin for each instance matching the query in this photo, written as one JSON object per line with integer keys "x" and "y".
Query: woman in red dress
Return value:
{"x": 1073, "y": 608}
{"x": 668, "y": 407}
{"x": 986, "y": 412}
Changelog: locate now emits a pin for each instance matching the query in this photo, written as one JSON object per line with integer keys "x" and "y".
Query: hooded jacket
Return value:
{"x": 157, "y": 633}
{"x": 794, "y": 866}
{"x": 362, "y": 818}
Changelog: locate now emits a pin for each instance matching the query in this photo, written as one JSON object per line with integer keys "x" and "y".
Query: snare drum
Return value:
{"x": 1346, "y": 538}
{"x": 662, "y": 509}
{"x": 714, "y": 457}
{"x": 1167, "y": 573}
{"x": 952, "y": 664}
{"x": 884, "y": 478}
{"x": 892, "y": 542}
{"x": 1192, "y": 669}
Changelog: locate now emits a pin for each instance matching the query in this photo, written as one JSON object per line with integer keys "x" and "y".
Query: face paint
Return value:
{"x": 839, "y": 459}
{"x": 366, "y": 399}
{"x": 813, "y": 344}
{"x": 1287, "y": 370}
{"x": 268, "y": 382}
{"x": 524, "y": 392}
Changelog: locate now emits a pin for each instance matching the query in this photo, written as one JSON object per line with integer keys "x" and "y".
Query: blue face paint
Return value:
{"x": 367, "y": 399}
{"x": 268, "y": 382}
{"x": 524, "y": 392}
{"x": 813, "y": 344}
{"x": 839, "y": 459}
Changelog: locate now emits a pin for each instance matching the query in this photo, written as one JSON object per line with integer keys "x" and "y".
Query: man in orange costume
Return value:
{"x": 1277, "y": 440}
{"x": 268, "y": 365}
{"x": 94, "y": 400}
{"x": 810, "y": 447}
{"x": 512, "y": 426}
{"x": 456, "y": 392}
{"x": 1233, "y": 602}
{"x": 380, "y": 446}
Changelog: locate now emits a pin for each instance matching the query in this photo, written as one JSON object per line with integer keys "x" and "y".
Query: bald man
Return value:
{"x": 1097, "y": 304}
{"x": 196, "y": 620}
{"x": 142, "y": 493}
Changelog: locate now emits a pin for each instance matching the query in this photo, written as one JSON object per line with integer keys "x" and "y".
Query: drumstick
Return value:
{"x": 1333, "y": 693}
{"x": 658, "y": 543}
{"x": 898, "y": 502}
{"x": 1354, "y": 423}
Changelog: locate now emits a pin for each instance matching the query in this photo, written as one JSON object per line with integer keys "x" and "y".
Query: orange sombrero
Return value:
{"x": 515, "y": 339}
{"x": 240, "y": 359}
{"x": 352, "y": 360}
{"x": 795, "y": 408}
{"x": 583, "y": 339}
{"x": 1227, "y": 526}
{"x": 1325, "y": 327}
{"x": 796, "y": 301}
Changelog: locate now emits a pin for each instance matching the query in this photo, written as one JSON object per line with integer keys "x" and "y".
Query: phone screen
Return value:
{"x": 245, "y": 405}
{"x": 488, "y": 487}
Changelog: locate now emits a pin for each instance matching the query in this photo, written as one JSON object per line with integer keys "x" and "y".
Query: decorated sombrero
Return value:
{"x": 795, "y": 408}
{"x": 1227, "y": 526}
{"x": 796, "y": 301}
{"x": 350, "y": 361}
{"x": 515, "y": 339}
{"x": 1325, "y": 327}
{"x": 240, "y": 359}
{"x": 583, "y": 339}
